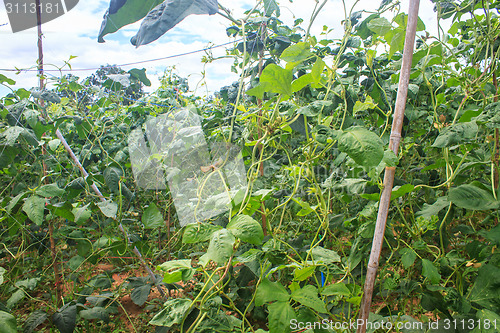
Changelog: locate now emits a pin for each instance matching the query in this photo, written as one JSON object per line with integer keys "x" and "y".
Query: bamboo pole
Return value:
{"x": 385, "y": 198}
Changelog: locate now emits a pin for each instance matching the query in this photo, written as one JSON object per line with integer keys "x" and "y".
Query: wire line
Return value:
{"x": 122, "y": 65}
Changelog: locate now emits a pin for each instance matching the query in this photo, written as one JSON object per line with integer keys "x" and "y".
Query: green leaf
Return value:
{"x": 4, "y": 79}
{"x": 325, "y": 256}
{"x": 268, "y": 291}
{"x": 95, "y": 313}
{"x": 280, "y": 315}
{"x": 455, "y": 134}
{"x": 139, "y": 295}
{"x": 399, "y": 191}
{"x": 34, "y": 207}
{"x": 430, "y": 271}
{"x": 396, "y": 40}
{"x": 140, "y": 74}
{"x": 18, "y": 295}
{"x": 301, "y": 82}
{"x": 271, "y": 6}
{"x": 408, "y": 257}
{"x": 8, "y": 322}
{"x": 49, "y": 190}
{"x": 11, "y": 134}
{"x": 362, "y": 106}
{"x": 277, "y": 80}
{"x": 485, "y": 290}
{"x": 380, "y": 26}
{"x": 121, "y": 13}
{"x": 14, "y": 201}
{"x": 363, "y": 146}
{"x": 34, "y": 320}
{"x": 472, "y": 197}
{"x": 301, "y": 274}
{"x": 247, "y": 229}
{"x": 152, "y": 217}
{"x": 197, "y": 233}
{"x": 308, "y": 296}
{"x": 433, "y": 210}
{"x": 82, "y": 214}
{"x": 176, "y": 270}
{"x": 109, "y": 208}
{"x": 2, "y": 272}
{"x": 336, "y": 289}
{"x": 65, "y": 319}
{"x": 167, "y": 15}
{"x": 297, "y": 52}
{"x": 173, "y": 312}
{"x": 220, "y": 247}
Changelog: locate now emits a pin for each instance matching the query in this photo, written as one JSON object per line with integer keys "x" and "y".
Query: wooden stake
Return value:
{"x": 385, "y": 198}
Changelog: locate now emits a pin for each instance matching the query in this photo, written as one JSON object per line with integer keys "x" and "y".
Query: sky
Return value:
{"x": 75, "y": 34}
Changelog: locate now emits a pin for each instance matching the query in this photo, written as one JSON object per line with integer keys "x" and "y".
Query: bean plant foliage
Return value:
{"x": 312, "y": 116}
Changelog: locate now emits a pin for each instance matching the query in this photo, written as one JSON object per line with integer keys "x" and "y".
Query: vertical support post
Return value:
{"x": 385, "y": 198}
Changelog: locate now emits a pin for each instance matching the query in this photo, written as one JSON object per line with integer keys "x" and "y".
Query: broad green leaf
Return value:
{"x": 82, "y": 214}
{"x": 259, "y": 90}
{"x": 296, "y": 53}
{"x": 34, "y": 320}
{"x": 53, "y": 144}
{"x": 430, "y": 271}
{"x": 152, "y": 217}
{"x": 34, "y": 207}
{"x": 167, "y": 15}
{"x": 380, "y": 26}
{"x": 271, "y": 6}
{"x": 433, "y": 210}
{"x": 268, "y": 291}
{"x": 14, "y": 201}
{"x": 301, "y": 274}
{"x": 220, "y": 247}
{"x": 4, "y": 79}
{"x": 317, "y": 69}
{"x": 457, "y": 133}
{"x": 301, "y": 82}
{"x": 490, "y": 116}
{"x": 140, "y": 74}
{"x": 49, "y": 190}
{"x": 11, "y": 134}
{"x": 277, "y": 80}
{"x": 17, "y": 296}
{"x": 306, "y": 208}
{"x": 280, "y": 315}
{"x": 408, "y": 257}
{"x": 308, "y": 296}
{"x": 197, "y": 233}
{"x": 173, "y": 312}
{"x": 139, "y": 295}
{"x": 396, "y": 40}
{"x": 8, "y": 322}
{"x": 109, "y": 208}
{"x": 247, "y": 229}
{"x": 2, "y": 272}
{"x": 176, "y": 270}
{"x": 366, "y": 105}
{"x": 325, "y": 256}
{"x": 485, "y": 291}
{"x": 399, "y": 191}
{"x": 124, "y": 12}
{"x": 65, "y": 319}
{"x": 336, "y": 289}
{"x": 363, "y": 146}
{"x": 472, "y": 197}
